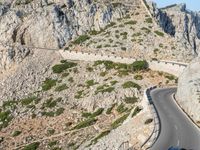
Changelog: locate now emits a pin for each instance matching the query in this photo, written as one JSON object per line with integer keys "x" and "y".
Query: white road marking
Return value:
{"x": 178, "y": 143}
{"x": 176, "y": 127}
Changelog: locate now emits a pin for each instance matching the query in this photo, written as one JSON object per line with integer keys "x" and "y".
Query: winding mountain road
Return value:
{"x": 176, "y": 129}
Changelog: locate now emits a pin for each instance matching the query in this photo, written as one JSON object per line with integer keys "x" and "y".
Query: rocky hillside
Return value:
{"x": 50, "y": 103}
{"x": 51, "y": 24}
{"x": 188, "y": 94}
{"x": 180, "y": 23}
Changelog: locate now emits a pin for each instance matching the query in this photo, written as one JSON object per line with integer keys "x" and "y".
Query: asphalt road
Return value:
{"x": 176, "y": 128}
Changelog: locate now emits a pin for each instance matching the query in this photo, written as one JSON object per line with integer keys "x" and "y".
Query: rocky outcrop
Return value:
{"x": 51, "y": 24}
{"x": 10, "y": 56}
{"x": 189, "y": 90}
{"x": 177, "y": 21}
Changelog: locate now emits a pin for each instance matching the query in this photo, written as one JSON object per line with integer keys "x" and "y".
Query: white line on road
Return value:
{"x": 178, "y": 143}
{"x": 176, "y": 127}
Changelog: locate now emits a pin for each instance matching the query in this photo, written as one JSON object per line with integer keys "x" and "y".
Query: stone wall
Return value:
{"x": 175, "y": 68}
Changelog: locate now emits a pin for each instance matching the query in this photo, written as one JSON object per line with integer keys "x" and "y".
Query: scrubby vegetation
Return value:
{"x": 159, "y": 33}
{"x": 32, "y": 146}
{"x": 59, "y": 68}
{"x": 130, "y": 84}
{"x": 85, "y": 123}
{"x": 119, "y": 121}
{"x": 81, "y": 39}
{"x": 48, "y": 84}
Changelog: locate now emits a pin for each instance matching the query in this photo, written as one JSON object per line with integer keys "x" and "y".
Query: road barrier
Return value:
{"x": 172, "y": 67}
{"x": 156, "y": 130}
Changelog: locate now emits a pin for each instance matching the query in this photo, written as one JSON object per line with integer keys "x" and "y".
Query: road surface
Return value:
{"x": 176, "y": 128}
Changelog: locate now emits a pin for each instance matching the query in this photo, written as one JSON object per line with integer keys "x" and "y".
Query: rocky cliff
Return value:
{"x": 181, "y": 23}
{"x": 52, "y": 23}
{"x": 188, "y": 94}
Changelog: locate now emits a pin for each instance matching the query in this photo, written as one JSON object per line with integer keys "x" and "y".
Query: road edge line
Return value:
{"x": 184, "y": 112}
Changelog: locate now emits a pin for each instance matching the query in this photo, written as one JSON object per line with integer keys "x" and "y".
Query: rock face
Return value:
{"x": 189, "y": 90}
{"x": 10, "y": 56}
{"x": 177, "y": 21}
{"x": 51, "y": 24}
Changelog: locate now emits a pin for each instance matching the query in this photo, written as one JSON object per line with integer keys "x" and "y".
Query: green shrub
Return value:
{"x": 79, "y": 94}
{"x": 5, "y": 118}
{"x": 136, "y": 111}
{"x": 48, "y": 84}
{"x": 159, "y": 33}
{"x": 85, "y": 123}
{"x": 119, "y": 121}
{"x": 170, "y": 77}
{"x": 90, "y": 69}
{"x": 130, "y": 84}
{"x": 50, "y": 132}
{"x": 94, "y": 114}
{"x": 132, "y": 22}
{"x": 59, "y": 111}
{"x": 50, "y": 103}
{"x": 9, "y": 104}
{"x": 121, "y": 108}
{"x": 16, "y": 133}
{"x": 149, "y": 20}
{"x": 116, "y": 4}
{"x": 28, "y": 100}
{"x": 61, "y": 88}
{"x": 131, "y": 100}
{"x": 148, "y": 121}
{"x": 138, "y": 77}
{"x": 146, "y": 30}
{"x": 52, "y": 143}
{"x": 81, "y": 39}
{"x": 104, "y": 133}
{"x": 97, "y": 112}
{"x": 123, "y": 48}
{"x": 113, "y": 82}
{"x": 139, "y": 65}
{"x": 103, "y": 74}
{"x": 109, "y": 110}
{"x": 59, "y": 68}
{"x": 32, "y": 146}
{"x": 90, "y": 83}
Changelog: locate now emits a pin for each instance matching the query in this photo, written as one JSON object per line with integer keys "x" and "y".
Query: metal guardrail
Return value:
{"x": 155, "y": 133}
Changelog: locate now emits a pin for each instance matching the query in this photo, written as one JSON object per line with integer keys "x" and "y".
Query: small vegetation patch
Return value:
{"x": 121, "y": 108}
{"x": 159, "y": 33}
{"x": 131, "y": 100}
{"x": 119, "y": 121}
{"x": 104, "y": 88}
{"x": 28, "y": 100}
{"x": 85, "y": 123}
{"x": 50, "y": 103}
{"x": 109, "y": 110}
{"x": 139, "y": 65}
{"x": 16, "y": 133}
{"x": 5, "y": 118}
{"x": 132, "y": 22}
{"x": 48, "y": 84}
{"x": 61, "y": 88}
{"x": 59, "y": 68}
{"x": 136, "y": 111}
{"x": 90, "y": 83}
{"x": 104, "y": 133}
{"x": 149, "y": 20}
{"x": 32, "y": 146}
{"x": 81, "y": 39}
{"x": 148, "y": 121}
{"x": 138, "y": 77}
{"x": 94, "y": 114}
{"x": 130, "y": 84}
{"x": 79, "y": 94}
